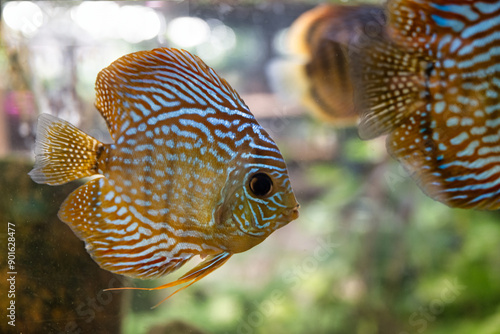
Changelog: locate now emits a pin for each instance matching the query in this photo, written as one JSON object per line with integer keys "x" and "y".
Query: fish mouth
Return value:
{"x": 286, "y": 217}
{"x": 293, "y": 213}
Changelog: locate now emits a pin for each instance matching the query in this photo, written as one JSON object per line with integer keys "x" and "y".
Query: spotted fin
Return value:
{"x": 63, "y": 152}
{"x": 146, "y": 86}
{"x": 390, "y": 85}
{"x": 206, "y": 267}
{"x": 117, "y": 237}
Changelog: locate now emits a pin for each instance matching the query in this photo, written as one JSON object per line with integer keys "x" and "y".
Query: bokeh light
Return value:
{"x": 105, "y": 19}
{"x": 23, "y": 16}
{"x": 188, "y": 31}
{"x": 97, "y": 18}
{"x": 138, "y": 23}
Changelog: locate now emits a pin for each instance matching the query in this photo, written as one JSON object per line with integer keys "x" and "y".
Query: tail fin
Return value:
{"x": 63, "y": 152}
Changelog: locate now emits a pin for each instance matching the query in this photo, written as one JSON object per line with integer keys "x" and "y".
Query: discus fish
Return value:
{"x": 190, "y": 171}
{"x": 325, "y": 37}
{"x": 433, "y": 85}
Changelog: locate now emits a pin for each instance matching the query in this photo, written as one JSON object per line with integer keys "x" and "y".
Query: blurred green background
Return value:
{"x": 369, "y": 254}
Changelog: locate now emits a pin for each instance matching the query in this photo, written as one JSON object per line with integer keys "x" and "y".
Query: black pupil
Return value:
{"x": 261, "y": 184}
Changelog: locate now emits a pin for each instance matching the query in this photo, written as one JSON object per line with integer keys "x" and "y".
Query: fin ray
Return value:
{"x": 63, "y": 152}
{"x": 390, "y": 86}
{"x": 206, "y": 267}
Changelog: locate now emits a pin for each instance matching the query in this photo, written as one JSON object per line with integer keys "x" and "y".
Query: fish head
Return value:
{"x": 261, "y": 202}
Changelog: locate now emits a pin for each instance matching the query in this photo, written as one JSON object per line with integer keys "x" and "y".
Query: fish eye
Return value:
{"x": 261, "y": 184}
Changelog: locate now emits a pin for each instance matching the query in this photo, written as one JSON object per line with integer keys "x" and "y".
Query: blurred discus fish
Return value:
{"x": 190, "y": 172}
{"x": 325, "y": 37}
{"x": 434, "y": 86}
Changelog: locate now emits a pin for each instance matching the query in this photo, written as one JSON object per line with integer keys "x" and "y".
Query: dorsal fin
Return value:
{"x": 147, "y": 84}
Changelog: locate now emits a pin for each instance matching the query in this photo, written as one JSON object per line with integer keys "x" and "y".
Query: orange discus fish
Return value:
{"x": 190, "y": 172}
{"x": 325, "y": 37}
{"x": 433, "y": 85}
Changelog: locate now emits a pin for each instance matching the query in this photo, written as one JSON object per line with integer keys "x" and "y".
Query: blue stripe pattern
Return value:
{"x": 465, "y": 54}
{"x": 433, "y": 84}
{"x": 177, "y": 181}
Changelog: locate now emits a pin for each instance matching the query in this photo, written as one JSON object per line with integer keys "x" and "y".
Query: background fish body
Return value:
{"x": 433, "y": 85}
{"x": 190, "y": 172}
{"x": 325, "y": 37}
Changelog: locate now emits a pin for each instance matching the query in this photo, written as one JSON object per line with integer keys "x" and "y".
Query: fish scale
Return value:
{"x": 183, "y": 177}
{"x": 443, "y": 121}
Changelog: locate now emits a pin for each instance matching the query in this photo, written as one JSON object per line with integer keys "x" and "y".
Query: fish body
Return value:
{"x": 432, "y": 83}
{"x": 190, "y": 171}
{"x": 324, "y": 38}
{"x": 424, "y": 72}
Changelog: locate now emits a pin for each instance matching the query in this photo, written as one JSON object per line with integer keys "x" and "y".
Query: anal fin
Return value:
{"x": 115, "y": 238}
{"x": 210, "y": 264}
